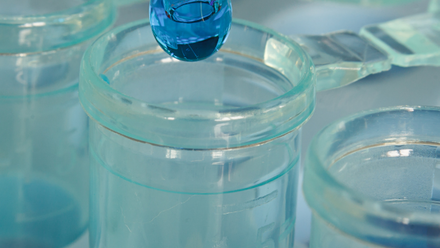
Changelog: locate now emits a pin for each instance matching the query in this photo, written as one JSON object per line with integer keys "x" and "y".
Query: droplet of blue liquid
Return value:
{"x": 105, "y": 78}
{"x": 190, "y": 30}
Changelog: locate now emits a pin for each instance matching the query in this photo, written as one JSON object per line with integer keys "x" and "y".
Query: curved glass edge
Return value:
{"x": 56, "y": 72}
{"x": 342, "y": 58}
{"x": 409, "y": 41}
{"x": 139, "y": 120}
{"x": 342, "y": 206}
{"x": 373, "y": 3}
{"x": 55, "y": 30}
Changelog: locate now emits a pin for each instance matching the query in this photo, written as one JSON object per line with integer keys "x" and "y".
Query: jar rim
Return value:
{"x": 93, "y": 89}
{"x": 77, "y": 19}
{"x": 349, "y": 205}
{"x": 43, "y": 17}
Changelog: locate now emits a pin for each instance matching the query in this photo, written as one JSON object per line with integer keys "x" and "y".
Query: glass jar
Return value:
{"x": 201, "y": 154}
{"x": 373, "y": 180}
{"x": 43, "y": 130}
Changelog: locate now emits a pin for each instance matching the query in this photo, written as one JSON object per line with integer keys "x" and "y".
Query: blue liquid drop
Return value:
{"x": 190, "y": 30}
{"x": 105, "y": 78}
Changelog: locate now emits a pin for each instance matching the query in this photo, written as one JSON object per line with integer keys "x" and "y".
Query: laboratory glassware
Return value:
{"x": 199, "y": 154}
{"x": 43, "y": 130}
{"x": 190, "y": 30}
{"x": 372, "y": 180}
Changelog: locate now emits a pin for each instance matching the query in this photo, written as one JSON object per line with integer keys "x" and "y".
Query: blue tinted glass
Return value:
{"x": 190, "y": 30}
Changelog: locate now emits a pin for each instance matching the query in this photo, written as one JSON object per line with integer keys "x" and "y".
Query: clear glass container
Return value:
{"x": 43, "y": 130}
{"x": 202, "y": 154}
{"x": 373, "y": 180}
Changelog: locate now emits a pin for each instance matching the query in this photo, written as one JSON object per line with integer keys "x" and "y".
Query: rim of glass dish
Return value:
{"x": 56, "y": 18}
{"x": 364, "y": 203}
{"x": 303, "y": 83}
{"x": 47, "y": 18}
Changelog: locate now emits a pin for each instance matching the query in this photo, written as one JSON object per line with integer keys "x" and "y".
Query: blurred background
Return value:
{"x": 399, "y": 86}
